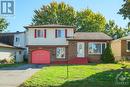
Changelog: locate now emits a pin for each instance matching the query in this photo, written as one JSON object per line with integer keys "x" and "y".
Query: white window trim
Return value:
{"x": 97, "y": 43}
{"x": 127, "y": 46}
{"x": 61, "y": 57}
{"x": 83, "y": 43}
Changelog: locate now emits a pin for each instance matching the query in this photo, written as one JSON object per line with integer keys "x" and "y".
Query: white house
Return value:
{"x": 9, "y": 52}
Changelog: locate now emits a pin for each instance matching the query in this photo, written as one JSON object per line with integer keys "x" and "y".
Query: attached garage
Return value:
{"x": 41, "y": 57}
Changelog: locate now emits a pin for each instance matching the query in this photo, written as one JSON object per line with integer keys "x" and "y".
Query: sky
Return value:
{"x": 24, "y": 11}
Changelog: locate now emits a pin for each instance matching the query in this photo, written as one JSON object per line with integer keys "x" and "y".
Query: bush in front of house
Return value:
{"x": 107, "y": 56}
{"x": 7, "y": 61}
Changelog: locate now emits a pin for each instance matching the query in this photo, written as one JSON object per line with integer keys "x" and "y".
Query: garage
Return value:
{"x": 40, "y": 57}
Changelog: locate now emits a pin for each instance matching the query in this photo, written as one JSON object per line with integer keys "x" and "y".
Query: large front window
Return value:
{"x": 60, "y": 33}
{"x": 60, "y": 52}
{"x": 96, "y": 48}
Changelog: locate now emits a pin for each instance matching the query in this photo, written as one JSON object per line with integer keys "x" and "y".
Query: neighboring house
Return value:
{"x": 60, "y": 44}
{"x": 8, "y": 52}
{"x": 121, "y": 48}
{"x": 15, "y": 39}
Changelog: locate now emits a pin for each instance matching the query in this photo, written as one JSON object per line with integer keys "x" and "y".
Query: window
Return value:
{"x": 39, "y": 33}
{"x": 128, "y": 45}
{"x": 96, "y": 48}
{"x": 17, "y": 39}
{"x": 60, "y": 52}
{"x": 61, "y": 33}
{"x": 20, "y": 52}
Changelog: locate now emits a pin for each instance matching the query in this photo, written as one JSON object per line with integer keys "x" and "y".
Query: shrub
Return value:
{"x": 107, "y": 56}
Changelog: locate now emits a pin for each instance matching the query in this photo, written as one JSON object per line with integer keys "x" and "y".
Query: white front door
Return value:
{"x": 80, "y": 49}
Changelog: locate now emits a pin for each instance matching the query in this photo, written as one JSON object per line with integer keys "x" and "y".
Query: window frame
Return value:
{"x": 39, "y": 33}
{"x": 57, "y": 33}
{"x": 127, "y": 50}
{"x": 101, "y": 43}
{"x": 60, "y": 52}
{"x": 17, "y": 39}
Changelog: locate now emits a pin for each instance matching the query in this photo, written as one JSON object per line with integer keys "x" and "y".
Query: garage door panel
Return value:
{"x": 41, "y": 57}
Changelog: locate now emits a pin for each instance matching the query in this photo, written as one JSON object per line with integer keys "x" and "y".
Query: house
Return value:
{"x": 8, "y": 52}
{"x": 16, "y": 40}
{"x": 121, "y": 48}
{"x": 61, "y": 44}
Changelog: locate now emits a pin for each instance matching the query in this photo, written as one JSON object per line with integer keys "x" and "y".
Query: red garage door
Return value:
{"x": 41, "y": 57}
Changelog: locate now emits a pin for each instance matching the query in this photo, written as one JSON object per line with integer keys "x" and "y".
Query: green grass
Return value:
{"x": 10, "y": 65}
{"x": 93, "y": 75}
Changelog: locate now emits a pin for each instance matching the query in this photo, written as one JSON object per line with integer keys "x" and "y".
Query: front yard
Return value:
{"x": 92, "y": 75}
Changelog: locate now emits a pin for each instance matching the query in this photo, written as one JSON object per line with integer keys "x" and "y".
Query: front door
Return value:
{"x": 80, "y": 49}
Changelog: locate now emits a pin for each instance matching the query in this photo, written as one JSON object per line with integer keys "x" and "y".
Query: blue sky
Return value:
{"x": 24, "y": 11}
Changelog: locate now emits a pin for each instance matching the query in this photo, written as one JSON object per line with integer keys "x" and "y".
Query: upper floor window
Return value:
{"x": 17, "y": 39}
{"x": 40, "y": 33}
{"x": 96, "y": 48}
{"x": 60, "y": 33}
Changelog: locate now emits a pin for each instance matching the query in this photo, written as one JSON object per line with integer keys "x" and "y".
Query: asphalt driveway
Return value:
{"x": 14, "y": 76}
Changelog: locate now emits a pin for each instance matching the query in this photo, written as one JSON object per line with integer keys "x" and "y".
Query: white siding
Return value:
{"x": 22, "y": 40}
{"x": 50, "y": 37}
{"x": 6, "y": 53}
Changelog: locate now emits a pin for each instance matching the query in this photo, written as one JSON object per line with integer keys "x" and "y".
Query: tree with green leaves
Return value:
{"x": 88, "y": 21}
{"x": 55, "y": 13}
{"x": 3, "y": 24}
{"x": 114, "y": 30}
{"x": 107, "y": 56}
{"x": 125, "y": 10}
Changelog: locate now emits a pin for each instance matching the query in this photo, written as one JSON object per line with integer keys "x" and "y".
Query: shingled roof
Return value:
{"x": 49, "y": 26}
{"x": 90, "y": 36}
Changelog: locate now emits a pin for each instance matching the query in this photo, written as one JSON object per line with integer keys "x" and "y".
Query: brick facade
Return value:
{"x": 119, "y": 49}
{"x": 71, "y": 53}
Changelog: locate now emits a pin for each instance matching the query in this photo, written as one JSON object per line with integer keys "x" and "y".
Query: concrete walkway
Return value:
{"x": 14, "y": 76}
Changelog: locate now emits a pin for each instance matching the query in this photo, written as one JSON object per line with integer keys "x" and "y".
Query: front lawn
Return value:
{"x": 92, "y": 75}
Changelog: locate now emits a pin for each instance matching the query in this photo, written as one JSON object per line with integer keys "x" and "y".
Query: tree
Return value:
{"x": 55, "y": 13}
{"x": 125, "y": 10}
{"x": 107, "y": 56}
{"x": 3, "y": 24}
{"x": 88, "y": 21}
{"x": 114, "y": 30}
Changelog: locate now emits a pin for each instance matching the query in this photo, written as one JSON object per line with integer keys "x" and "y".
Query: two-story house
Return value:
{"x": 60, "y": 44}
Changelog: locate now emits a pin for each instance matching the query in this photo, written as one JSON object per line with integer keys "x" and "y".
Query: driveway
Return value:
{"x": 14, "y": 76}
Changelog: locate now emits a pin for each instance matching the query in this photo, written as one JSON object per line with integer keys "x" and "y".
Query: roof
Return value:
{"x": 8, "y": 46}
{"x": 125, "y": 38}
{"x": 90, "y": 36}
{"x": 5, "y": 45}
{"x": 11, "y": 33}
{"x": 49, "y": 26}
